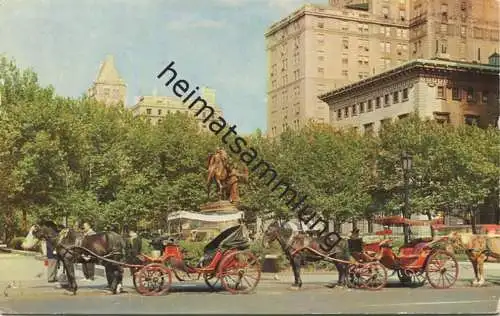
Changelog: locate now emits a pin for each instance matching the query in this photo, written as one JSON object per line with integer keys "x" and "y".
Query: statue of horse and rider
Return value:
{"x": 225, "y": 175}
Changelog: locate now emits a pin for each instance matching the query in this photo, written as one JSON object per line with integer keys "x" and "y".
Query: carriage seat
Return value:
{"x": 413, "y": 249}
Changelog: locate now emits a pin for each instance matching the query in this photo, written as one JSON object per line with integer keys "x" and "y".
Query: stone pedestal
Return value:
{"x": 222, "y": 207}
{"x": 219, "y": 207}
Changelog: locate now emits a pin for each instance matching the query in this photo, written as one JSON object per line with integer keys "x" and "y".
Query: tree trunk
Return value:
{"x": 429, "y": 217}
{"x": 473, "y": 221}
{"x": 9, "y": 224}
{"x": 25, "y": 221}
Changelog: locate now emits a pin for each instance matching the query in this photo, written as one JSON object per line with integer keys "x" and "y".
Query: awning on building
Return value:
{"x": 205, "y": 217}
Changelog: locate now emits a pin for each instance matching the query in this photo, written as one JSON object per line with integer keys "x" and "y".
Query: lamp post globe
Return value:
{"x": 406, "y": 161}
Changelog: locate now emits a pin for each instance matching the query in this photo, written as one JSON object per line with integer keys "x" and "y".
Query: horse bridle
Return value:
{"x": 275, "y": 236}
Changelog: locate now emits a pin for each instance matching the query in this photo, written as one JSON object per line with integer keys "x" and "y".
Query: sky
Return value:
{"x": 215, "y": 43}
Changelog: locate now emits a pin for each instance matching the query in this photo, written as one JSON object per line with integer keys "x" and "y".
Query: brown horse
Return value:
{"x": 292, "y": 242}
{"x": 218, "y": 170}
{"x": 478, "y": 248}
{"x": 69, "y": 245}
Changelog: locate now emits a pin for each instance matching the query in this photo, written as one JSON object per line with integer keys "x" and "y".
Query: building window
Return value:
{"x": 444, "y": 47}
{"x": 321, "y": 70}
{"x": 444, "y": 28}
{"x": 484, "y": 97}
{"x": 344, "y": 73}
{"x": 321, "y": 57}
{"x": 321, "y": 25}
{"x": 362, "y": 107}
{"x": 471, "y": 119}
{"x": 385, "y": 122}
{"x": 405, "y": 94}
{"x": 470, "y": 95}
{"x": 386, "y": 100}
{"x": 368, "y": 128}
{"x": 377, "y": 103}
{"x": 148, "y": 111}
{"x": 159, "y": 112}
{"x": 385, "y": 12}
{"x": 346, "y": 112}
{"x": 442, "y": 117}
{"x": 395, "y": 97}
{"x": 345, "y": 60}
{"x": 370, "y": 106}
{"x": 354, "y": 112}
{"x": 345, "y": 43}
{"x": 339, "y": 115}
{"x": 441, "y": 93}
{"x": 455, "y": 94}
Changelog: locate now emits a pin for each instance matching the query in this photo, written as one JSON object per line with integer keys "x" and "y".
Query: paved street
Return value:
{"x": 31, "y": 293}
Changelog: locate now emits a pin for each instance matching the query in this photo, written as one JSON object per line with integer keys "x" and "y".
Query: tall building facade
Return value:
{"x": 156, "y": 107}
{"x": 462, "y": 30}
{"x": 109, "y": 87}
{"x": 321, "y": 48}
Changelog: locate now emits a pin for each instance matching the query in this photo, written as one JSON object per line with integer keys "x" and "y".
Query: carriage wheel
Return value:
{"x": 239, "y": 272}
{"x": 211, "y": 280}
{"x": 353, "y": 280}
{"x": 441, "y": 269}
{"x": 153, "y": 280}
{"x": 373, "y": 276}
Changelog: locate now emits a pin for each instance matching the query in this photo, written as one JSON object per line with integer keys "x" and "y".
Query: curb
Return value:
{"x": 19, "y": 252}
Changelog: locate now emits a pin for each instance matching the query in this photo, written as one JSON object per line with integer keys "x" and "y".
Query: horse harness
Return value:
{"x": 78, "y": 245}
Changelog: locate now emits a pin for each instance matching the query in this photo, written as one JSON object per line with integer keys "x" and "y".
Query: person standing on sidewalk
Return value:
{"x": 51, "y": 263}
{"x": 88, "y": 268}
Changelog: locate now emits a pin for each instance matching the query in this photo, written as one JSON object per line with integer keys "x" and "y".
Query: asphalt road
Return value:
{"x": 272, "y": 296}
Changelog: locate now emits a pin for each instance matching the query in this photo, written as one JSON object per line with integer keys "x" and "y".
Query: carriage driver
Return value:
{"x": 355, "y": 243}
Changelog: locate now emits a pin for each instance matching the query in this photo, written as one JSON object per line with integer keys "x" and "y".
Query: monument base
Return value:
{"x": 221, "y": 207}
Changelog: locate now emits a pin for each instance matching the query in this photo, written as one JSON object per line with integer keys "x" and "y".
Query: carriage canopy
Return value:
{"x": 232, "y": 237}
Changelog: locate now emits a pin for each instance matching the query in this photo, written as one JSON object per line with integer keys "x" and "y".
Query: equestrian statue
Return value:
{"x": 225, "y": 175}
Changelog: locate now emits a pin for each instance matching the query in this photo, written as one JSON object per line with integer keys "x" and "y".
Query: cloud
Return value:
{"x": 193, "y": 23}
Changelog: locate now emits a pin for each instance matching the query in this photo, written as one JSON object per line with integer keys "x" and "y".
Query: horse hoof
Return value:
{"x": 119, "y": 289}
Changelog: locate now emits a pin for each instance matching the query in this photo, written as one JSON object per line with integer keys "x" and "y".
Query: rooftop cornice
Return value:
{"x": 418, "y": 65}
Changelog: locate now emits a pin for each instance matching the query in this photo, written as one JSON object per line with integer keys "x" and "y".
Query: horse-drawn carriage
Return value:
{"x": 226, "y": 259}
{"x": 417, "y": 261}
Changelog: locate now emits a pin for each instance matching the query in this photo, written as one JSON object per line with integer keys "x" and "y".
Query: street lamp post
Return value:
{"x": 406, "y": 163}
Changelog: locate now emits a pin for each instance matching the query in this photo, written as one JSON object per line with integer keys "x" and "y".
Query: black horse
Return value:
{"x": 69, "y": 246}
{"x": 290, "y": 242}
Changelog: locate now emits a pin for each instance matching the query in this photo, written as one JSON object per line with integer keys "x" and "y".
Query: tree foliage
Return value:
{"x": 78, "y": 158}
